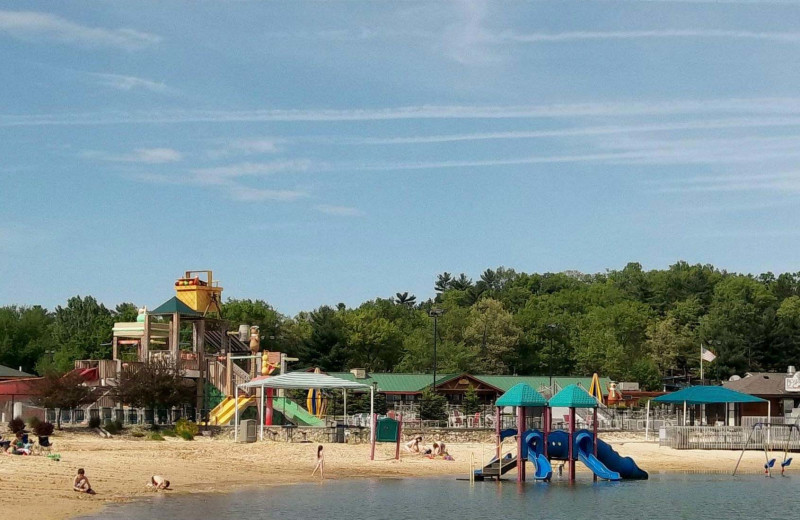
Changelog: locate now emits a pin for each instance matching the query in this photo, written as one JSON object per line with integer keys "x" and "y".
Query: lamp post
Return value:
{"x": 552, "y": 327}
{"x": 435, "y": 314}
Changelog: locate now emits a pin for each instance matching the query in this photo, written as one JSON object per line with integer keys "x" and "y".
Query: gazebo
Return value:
{"x": 521, "y": 396}
{"x": 303, "y": 381}
{"x": 695, "y": 395}
{"x": 573, "y": 397}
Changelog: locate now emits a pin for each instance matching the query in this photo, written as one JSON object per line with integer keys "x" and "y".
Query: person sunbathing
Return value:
{"x": 439, "y": 449}
{"x": 158, "y": 482}
{"x": 81, "y": 483}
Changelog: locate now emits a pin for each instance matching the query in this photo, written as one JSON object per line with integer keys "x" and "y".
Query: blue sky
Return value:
{"x": 321, "y": 152}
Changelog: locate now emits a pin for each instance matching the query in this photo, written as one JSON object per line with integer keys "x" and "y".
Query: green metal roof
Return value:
{"x": 573, "y": 396}
{"x": 505, "y": 383}
{"x": 174, "y": 305}
{"x": 521, "y": 394}
{"x": 388, "y": 382}
{"x": 6, "y": 372}
{"x": 707, "y": 395}
{"x": 413, "y": 383}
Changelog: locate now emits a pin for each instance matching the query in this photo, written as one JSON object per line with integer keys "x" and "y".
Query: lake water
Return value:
{"x": 664, "y": 496}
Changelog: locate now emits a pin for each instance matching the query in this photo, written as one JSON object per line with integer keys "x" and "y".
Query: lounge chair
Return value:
{"x": 44, "y": 445}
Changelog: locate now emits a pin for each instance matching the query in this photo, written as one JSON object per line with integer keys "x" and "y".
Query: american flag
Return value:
{"x": 707, "y": 355}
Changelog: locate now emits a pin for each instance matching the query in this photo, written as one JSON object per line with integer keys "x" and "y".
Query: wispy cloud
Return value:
{"x": 38, "y": 27}
{"x": 129, "y": 83}
{"x": 572, "y": 36}
{"x": 247, "y": 194}
{"x": 229, "y": 179}
{"x": 784, "y": 182}
{"x": 218, "y": 174}
{"x": 579, "y": 131}
{"x": 254, "y": 146}
{"x": 140, "y": 155}
{"x": 339, "y": 211}
{"x": 781, "y": 106}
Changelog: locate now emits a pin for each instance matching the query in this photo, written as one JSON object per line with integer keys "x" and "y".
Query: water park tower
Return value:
{"x": 200, "y": 295}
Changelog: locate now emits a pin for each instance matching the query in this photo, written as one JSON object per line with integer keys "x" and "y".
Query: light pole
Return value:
{"x": 435, "y": 314}
{"x": 552, "y": 327}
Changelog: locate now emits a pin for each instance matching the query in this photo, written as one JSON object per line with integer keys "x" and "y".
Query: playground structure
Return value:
{"x": 187, "y": 332}
{"x": 296, "y": 381}
{"x": 770, "y": 463}
{"x": 541, "y": 447}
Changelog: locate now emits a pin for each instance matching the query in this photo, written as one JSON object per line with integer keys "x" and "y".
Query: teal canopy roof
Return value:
{"x": 172, "y": 306}
{"x": 521, "y": 395}
{"x": 707, "y": 395}
{"x": 573, "y": 396}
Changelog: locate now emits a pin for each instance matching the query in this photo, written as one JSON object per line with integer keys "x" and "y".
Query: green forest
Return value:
{"x": 627, "y": 324}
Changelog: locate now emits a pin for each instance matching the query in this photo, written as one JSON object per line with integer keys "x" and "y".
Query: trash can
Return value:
{"x": 338, "y": 436}
{"x": 247, "y": 430}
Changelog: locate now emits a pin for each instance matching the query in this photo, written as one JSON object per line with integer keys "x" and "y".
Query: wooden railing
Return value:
{"x": 106, "y": 368}
{"x": 189, "y": 361}
{"x": 217, "y": 375}
{"x": 240, "y": 376}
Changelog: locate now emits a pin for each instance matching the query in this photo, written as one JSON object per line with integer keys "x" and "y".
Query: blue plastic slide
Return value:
{"x": 584, "y": 447}
{"x": 533, "y": 450}
{"x": 610, "y": 459}
{"x": 544, "y": 471}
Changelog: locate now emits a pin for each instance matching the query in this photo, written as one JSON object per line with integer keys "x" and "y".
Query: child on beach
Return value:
{"x": 320, "y": 463}
{"x": 81, "y": 483}
{"x": 412, "y": 446}
{"x": 158, "y": 482}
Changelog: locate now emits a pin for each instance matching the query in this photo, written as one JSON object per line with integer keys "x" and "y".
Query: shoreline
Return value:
{"x": 37, "y": 488}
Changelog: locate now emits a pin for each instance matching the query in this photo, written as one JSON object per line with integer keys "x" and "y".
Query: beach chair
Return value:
{"x": 456, "y": 420}
{"x": 475, "y": 420}
{"x": 44, "y": 446}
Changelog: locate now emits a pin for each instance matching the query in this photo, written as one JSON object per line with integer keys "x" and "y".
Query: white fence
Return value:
{"x": 728, "y": 438}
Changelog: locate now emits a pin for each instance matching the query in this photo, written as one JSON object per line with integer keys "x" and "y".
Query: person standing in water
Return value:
{"x": 320, "y": 463}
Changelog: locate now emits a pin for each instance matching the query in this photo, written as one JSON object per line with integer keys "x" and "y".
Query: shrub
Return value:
{"x": 33, "y": 422}
{"x": 113, "y": 427}
{"x": 168, "y": 432}
{"x": 432, "y": 407}
{"x": 137, "y": 434}
{"x": 44, "y": 429}
{"x": 185, "y": 426}
{"x": 185, "y": 435}
{"x": 94, "y": 422}
{"x": 155, "y": 436}
{"x": 16, "y": 425}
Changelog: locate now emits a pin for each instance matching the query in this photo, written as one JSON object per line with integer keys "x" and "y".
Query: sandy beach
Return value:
{"x": 35, "y": 487}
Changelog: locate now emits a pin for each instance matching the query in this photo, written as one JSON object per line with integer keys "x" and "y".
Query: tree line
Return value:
{"x": 627, "y": 324}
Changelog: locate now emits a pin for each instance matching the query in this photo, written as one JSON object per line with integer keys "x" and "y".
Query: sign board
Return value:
{"x": 792, "y": 384}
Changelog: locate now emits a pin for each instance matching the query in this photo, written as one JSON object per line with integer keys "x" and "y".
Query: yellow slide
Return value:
{"x": 223, "y": 413}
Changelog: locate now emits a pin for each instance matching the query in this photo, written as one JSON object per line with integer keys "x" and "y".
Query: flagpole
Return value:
{"x": 701, "y": 363}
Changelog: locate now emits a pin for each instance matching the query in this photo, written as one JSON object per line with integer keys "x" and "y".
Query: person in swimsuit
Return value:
{"x": 320, "y": 463}
{"x": 81, "y": 483}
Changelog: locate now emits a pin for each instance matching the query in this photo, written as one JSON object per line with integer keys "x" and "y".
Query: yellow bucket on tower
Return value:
{"x": 201, "y": 295}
